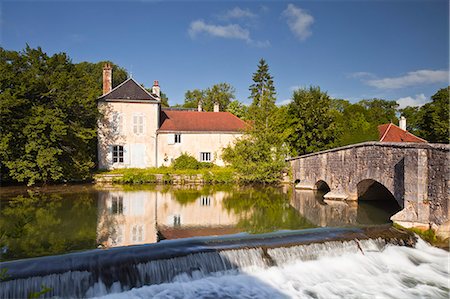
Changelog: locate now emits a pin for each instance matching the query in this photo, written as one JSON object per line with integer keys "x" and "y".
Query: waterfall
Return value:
{"x": 118, "y": 270}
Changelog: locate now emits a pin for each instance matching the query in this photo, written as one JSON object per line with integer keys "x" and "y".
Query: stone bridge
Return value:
{"x": 415, "y": 174}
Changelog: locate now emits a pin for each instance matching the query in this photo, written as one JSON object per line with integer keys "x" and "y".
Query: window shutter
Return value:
{"x": 126, "y": 154}
{"x": 171, "y": 139}
{"x": 109, "y": 155}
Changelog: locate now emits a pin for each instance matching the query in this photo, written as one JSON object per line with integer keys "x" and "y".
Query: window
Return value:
{"x": 137, "y": 233}
{"x": 117, "y": 205}
{"x": 176, "y": 220}
{"x": 205, "y": 157}
{"x": 116, "y": 123}
{"x": 138, "y": 124}
{"x": 177, "y": 138}
{"x": 117, "y": 154}
{"x": 205, "y": 200}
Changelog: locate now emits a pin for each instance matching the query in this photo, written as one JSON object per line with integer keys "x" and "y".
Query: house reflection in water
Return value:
{"x": 140, "y": 217}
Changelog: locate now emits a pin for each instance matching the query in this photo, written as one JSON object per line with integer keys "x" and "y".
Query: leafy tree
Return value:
{"x": 379, "y": 111}
{"x": 259, "y": 156}
{"x": 310, "y": 123}
{"x": 48, "y": 116}
{"x": 221, "y": 93}
{"x": 434, "y": 118}
{"x": 413, "y": 116}
{"x": 164, "y": 100}
{"x": 238, "y": 109}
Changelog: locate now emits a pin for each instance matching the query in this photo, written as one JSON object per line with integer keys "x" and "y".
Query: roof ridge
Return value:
{"x": 385, "y": 132}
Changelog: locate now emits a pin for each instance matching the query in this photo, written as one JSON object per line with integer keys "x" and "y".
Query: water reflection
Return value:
{"x": 47, "y": 223}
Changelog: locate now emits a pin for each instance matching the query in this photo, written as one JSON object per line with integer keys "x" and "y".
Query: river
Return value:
{"x": 72, "y": 220}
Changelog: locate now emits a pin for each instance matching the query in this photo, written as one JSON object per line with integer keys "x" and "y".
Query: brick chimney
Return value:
{"x": 216, "y": 107}
{"x": 156, "y": 90}
{"x": 402, "y": 123}
{"x": 107, "y": 78}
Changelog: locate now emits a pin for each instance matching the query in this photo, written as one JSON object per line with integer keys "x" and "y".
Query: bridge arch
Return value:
{"x": 322, "y": 186}
{"x": 370, "y": 189}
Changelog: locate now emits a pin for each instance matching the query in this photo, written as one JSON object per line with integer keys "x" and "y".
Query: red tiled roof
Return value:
{"x": 173, "y": 120}
{"x": 392, "y": 133}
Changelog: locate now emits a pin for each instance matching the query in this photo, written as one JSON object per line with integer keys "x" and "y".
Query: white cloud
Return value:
{"x": 232, "y": 31}
{"x": 361, "y": 75}
{"x": 299, "y": 21}
{"x": 238, "y": 13}
{"x": 419, "y": 77}
{"x": 227, "y": 31}
{"x": 284, "y": 102}
{"x": 418, "y": 100}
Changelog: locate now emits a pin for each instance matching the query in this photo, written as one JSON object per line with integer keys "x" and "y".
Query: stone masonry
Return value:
{"x": 417, "y": 175}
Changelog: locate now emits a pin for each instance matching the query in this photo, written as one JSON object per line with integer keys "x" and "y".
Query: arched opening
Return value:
{"x": 376, "y": 204}
{"x": 322, "y": 186}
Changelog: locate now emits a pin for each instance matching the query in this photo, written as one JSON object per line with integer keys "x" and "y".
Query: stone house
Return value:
{"x": 136, "y": 132}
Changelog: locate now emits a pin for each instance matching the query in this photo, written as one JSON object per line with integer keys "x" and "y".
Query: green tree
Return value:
{"x": 263, "y": 98}
{"x": 221, "y": 93}
{"x": 48, "y": 115}
{"x": 238, "y": 109}
{"x": 434, "y": 118}
{"x": 259, "y": 157}
{"x": 310, "y": 125}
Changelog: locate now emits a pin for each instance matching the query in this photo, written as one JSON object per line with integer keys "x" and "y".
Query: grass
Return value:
{"x": 428, "y": 235}
{"x": 212, "y": 175}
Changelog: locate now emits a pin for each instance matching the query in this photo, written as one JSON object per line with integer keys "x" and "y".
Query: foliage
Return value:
{"x": 47, "y": 224}
{"x": 48, "y": 116}
{"x": 264, "y": 210}
{"x": 263, "y": 98}
{"x": 259, "y": 157}
{"x": 210, "y": 174}
{"x": 221, "y": 93}
{"x": 433, "y": 120}
{"x": 310, "y": 124}
{"x": 186, "y": 161}
{"x": 238, "y": 109}
{"x": 44, "y": 290}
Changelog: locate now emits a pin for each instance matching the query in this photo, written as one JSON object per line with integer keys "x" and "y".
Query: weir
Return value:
{"x": 96, "y": 272}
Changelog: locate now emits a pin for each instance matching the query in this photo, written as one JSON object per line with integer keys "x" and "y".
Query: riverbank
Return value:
{"x": 168, "y": 175}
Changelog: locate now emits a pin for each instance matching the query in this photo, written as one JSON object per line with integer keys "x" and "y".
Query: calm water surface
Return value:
{"x": 71, "y": 218}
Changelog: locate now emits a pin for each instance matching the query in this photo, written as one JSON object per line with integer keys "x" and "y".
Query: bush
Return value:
{"x": 185, "y": 161}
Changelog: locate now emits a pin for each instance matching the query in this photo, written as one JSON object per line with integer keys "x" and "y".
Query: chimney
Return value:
{"x": 156, "y": 90}
{"x": 199, "y": 107}
{"x": 107, "y": 78}
{"x": 216, "y": 107}
{"x": 402, "y": 123}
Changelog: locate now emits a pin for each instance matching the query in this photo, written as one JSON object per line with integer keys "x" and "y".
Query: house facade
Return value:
{"x": 136, "y": 132}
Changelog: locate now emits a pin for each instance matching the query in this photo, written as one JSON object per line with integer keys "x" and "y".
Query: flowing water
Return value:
{"x": 296, "y": 260}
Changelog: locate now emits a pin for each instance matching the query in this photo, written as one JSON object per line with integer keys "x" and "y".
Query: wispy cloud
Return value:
{"x": 238, "y": 13}
{"x": 416, "y": 101}
{"x": 299, "y": 21}
{"x": 231, "y": 31}
{"x": 419, "y": 77}
{"x": 361, "y": 75}
{"x": 226, "y": 31}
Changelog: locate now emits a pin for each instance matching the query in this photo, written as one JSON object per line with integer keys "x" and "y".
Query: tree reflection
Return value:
{"x": 264, "y": 210}
{"x": 43, "y": 224}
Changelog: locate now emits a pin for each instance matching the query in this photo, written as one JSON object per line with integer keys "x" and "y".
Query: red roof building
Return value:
{"x": 393, "y": 133}
{"x": 195, "y": 121}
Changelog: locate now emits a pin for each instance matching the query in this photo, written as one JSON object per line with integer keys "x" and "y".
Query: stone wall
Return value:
{"x": 417, "y": 175}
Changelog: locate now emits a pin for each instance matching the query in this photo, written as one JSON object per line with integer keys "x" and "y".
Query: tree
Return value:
{"x": 434, "y": 118}
{"x": 263, "y": 97}
{"x": 48, "y": 114}
{"x": 310, "y": 123}
{"x": 164, "y": 100}
{"x": 238, "y": 109}
{"x": 259, "y": 157}
{"x": 222, "y": 93}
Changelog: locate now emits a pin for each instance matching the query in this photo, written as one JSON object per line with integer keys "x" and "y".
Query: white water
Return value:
{"x": 349, "y": 271}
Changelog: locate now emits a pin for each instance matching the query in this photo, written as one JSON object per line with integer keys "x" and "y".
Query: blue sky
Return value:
{"x": 396, "y": 50}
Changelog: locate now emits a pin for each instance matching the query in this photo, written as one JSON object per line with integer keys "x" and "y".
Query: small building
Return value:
{"x": 392, "y": 133}
{"x": 134, "y": 131}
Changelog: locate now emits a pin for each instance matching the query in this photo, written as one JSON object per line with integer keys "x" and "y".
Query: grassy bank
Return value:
{"x": 212, "y": 175}
{"x": 428, "y": 235}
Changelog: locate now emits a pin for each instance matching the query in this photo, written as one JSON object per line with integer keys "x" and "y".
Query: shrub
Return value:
{"x": 186, "y": 161}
